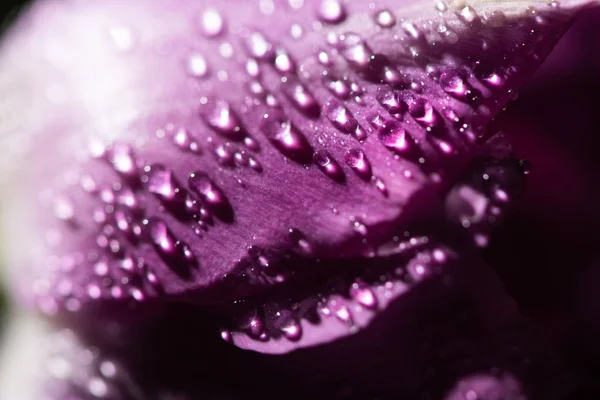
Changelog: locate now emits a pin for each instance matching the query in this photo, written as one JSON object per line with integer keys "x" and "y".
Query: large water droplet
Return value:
{"x": 285, "y": 137}
{"x": 328, "y": 165}
{"x": 219, "y": 116}
{"x": 358, "y": 162}
{"x": 331, "y": 11}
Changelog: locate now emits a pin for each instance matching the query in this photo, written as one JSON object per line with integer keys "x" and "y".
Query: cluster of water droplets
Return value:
{"x": 349, "y": 300}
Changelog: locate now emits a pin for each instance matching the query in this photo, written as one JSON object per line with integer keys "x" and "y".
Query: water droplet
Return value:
{"x": 380, "y": 185}
{"x": 285, "y": 137}
{"x": 292, "y": 330}
{"x": 331, "y": 11}
{"x": 363, "y": 295}
{"x": 344, "y": 315}
{"x": 422, "y": 111}
{"x": 391, "y": 102}
{"x": 123, "y": 160}
{"x": 176, "y": 254}
{"x": 226, "y": 336}
{"x": 452, "y": 82}
{"x": 328, "y": 165}
{"x": 63, "y": 208}
{"x": 525, "y": 166}
{"x": 355, "y": 51}
{"x": 301, "y": 98}
{"x": 224, "y": 155}
{"x": 394, "y": 137}
{"x": 468, "y": 14}
{"x": 283, "y": 62}
{"x": 323, "y": 58}
{"x": 496, "y": 19}
{"x": 358, "y": 162}
{"x": 340, "y": 117}
{"x": 412, "y": 31}
{"x": 219, "y": 116}
{"x": 385, "y": 19}
{"x": 296, "y": 31}
{"x": 211, "y": 195}
{"x": 338, "y": 87}
{"x": 196, "y": 65}
{"x": 127, "y": 198}
{"x": 212, "y": 22}
{"x": 162, "y": 183}
{"x": 252, "y": 68}
{"x": 258, "y": 46}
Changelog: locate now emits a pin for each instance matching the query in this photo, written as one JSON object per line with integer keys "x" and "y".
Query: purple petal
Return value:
{"x": 174, "y": 146}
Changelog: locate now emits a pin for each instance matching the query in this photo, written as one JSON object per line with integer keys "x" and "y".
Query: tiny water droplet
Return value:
{"x": 328, "y": 165}
{"x": 380, "y": 185}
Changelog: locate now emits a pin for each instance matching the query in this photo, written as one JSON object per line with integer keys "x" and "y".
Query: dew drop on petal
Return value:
{"x": 331, "y": 11}
{"x": 212, "y": 22}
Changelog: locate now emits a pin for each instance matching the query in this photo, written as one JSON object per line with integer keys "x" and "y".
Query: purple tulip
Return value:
{"x": 310, "y": 180}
